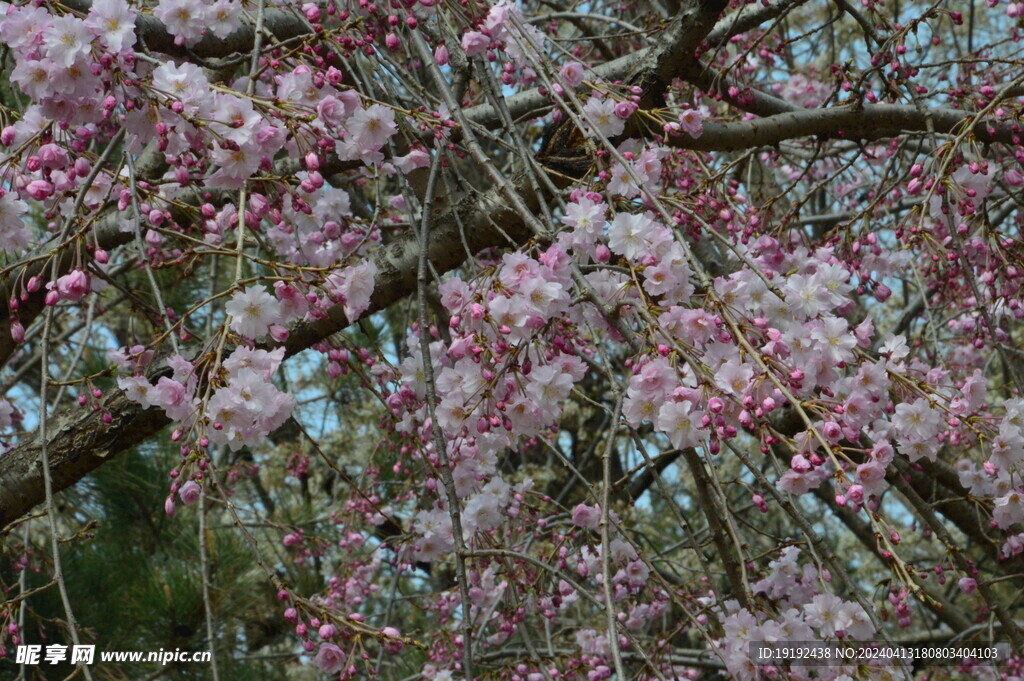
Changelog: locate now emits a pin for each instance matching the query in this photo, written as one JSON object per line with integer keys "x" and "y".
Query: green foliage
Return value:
{"x": 136, "y": 582}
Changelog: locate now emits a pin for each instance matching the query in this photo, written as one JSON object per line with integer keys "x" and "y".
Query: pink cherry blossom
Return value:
{"x": 586, "y": 516}
{"x": 330, "y": 658}
{"x": 73, "y": 286}
{"x": 692, "y": 121}
{"x": 474, "y": 43}
{"x": 113, "y": 22}
{"x": 371, "y": 127}
{"x": 253, "y": 311}
{"x": 601, "y": 113}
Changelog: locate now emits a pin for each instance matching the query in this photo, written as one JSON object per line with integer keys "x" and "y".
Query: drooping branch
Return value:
{"x": 107, "y": 233}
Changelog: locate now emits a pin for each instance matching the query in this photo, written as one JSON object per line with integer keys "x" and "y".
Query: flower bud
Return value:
{"x": 624, "y": 110}
{"x": 572, "y": 74}
{"x": 967, "y": 585}
{"x": 441, "y": 55}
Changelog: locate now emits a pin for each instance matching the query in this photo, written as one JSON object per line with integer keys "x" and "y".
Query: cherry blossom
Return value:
{"x": 253, "y": 311}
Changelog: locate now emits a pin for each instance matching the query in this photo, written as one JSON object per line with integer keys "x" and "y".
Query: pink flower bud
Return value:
{"x": 312, "y": 12}
{"x": 572, "y": 74}
{"x": 190, "y": 492}
{"x": 624, "y": 110}
{"x": 800, "y": 464}
{"x": 967, "y": 585}
{"x": 39, "y": 189}
{"x": 279, "y": 333}
{"x": 441, "y": 55}
{"x": 82, "y": 166}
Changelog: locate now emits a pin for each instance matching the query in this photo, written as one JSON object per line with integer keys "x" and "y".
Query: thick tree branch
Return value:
{"x": 79, "y": 443}
{"x": 533, "y": 103}
{"x": 153, "y": 35}
{"x": 843, "y": 122}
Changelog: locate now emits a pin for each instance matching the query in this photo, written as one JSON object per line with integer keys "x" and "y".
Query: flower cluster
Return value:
{"x": 243, "y": 411}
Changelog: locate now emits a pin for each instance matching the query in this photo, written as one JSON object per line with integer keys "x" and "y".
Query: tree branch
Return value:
{"x": 154, "y": 36}
{"x": 842, "y": 122}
